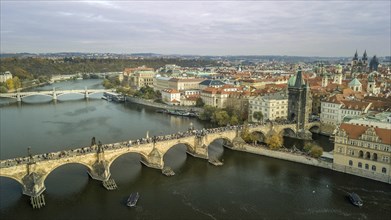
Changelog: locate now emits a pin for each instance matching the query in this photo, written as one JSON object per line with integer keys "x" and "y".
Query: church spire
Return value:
{"x": 364, "y": 56}
{"x": 355, "y": 56}
{"x": 299, "y": 79}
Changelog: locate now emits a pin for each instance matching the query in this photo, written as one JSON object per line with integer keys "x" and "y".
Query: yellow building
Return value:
{"x": 363, "y": 148}
{"x": 142, "y": 78}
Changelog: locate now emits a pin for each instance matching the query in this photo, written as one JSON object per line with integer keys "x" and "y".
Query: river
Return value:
{"x": 247, "y": 186}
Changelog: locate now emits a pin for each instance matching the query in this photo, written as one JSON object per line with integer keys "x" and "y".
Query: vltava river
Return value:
{"x": 247, "y": 186}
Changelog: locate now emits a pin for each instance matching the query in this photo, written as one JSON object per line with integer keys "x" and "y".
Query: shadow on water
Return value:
{"x": 74, "y": 176}
{"x": 176, "y": 157}
{"x": 126, "y": 169}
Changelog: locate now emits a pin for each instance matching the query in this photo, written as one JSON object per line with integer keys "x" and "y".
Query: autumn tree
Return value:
{"x": 199, "y": 102}
{"x": 16, "y": 82}
{"x": 275, "y": 141}
{"x": 234, "y": 120}
{"x": 316, "y": 151}
{"x": 10, "y": 84}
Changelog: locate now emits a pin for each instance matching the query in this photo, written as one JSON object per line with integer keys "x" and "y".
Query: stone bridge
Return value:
{"x": 53, "y": 94}
{"x": 32, "y": 171}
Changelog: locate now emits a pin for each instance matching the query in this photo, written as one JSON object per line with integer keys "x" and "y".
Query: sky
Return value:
{"x": 294, "y": 28}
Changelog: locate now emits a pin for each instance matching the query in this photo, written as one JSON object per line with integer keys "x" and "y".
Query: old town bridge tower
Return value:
{"x": 299, "y": 103}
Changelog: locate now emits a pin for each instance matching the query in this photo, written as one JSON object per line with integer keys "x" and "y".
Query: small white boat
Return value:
{"x": 132, "y": 200}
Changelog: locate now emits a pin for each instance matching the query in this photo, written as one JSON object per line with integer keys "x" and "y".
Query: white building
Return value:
{"x": 273, "y": 106}
{"x": 171, "y": 96}
{"x": 334, "y": 110}
{"x": 5, "y": 76}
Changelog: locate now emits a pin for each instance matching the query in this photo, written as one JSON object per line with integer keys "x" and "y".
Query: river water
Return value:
{"x": 247, "y": 186}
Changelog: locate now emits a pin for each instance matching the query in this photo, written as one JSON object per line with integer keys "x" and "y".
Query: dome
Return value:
{"x": 354, "y": 82}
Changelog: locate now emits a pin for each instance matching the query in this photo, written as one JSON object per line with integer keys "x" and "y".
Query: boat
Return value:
{"x": 132, "y": 200}
{"x": 355, "y": 199}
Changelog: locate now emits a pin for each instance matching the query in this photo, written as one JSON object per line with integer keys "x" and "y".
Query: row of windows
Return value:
{"x": 359, "y": 165}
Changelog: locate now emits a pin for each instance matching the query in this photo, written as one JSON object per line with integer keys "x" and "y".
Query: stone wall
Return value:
{"x": 315, "y": 162}
{"x": 160, "y": 105}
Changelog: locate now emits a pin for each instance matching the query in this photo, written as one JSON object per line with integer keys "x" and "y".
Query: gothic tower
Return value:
{"x": 299, "y": 101}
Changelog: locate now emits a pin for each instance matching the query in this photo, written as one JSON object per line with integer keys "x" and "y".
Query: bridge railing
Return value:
{"x": 124, "y": 144}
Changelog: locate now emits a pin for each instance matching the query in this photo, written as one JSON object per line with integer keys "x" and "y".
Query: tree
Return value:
{"x": 221, "y": 118}
{"x": 316, "y": 151}
{"x": 307, "y": 147}
{"x": 234, "y": 120}
{"x": 247, "y": 136}
{"x": 275, "y": 141}
{"x": 258, "y": 116}
{"x": 17, "y": 83}
{"x": 208, "y": 112}
{"x": 10, "y": 84}
{"x": 199, "y": 102}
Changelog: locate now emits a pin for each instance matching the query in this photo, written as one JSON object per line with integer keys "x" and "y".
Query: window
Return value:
{"x": 361, "y": 154}
{"x": 373, "y": 168}
{"x": 384, "y": 170}
{"x": 366, "y": 166}
{"x": 368, "y": 155}
{"x": 350, "y": 163}
{"x": 359, "y": 164}
{"x": 375, "y": 157}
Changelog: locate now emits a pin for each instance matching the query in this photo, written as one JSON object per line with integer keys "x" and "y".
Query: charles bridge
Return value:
{"x": 31, "y": 171}
{"x": 53, "y": 94}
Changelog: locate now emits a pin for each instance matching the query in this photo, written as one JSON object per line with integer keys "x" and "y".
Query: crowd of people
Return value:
{"x": 99, "y": 147}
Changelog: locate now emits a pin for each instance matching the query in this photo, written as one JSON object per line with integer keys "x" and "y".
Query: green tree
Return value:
{"x": 207, "y": 113}
{"x": 275, "y": 141}
{"x": 3, "y": 89}
{"x": 258, "y": 116}
{"x": 316, "y": 151}
{"x": 17, "y": 83}
{"x": 221, "y": 118}
{"x": 199, "y": 102}
{"x": 307, "y": 147}
{"x": 247, "y": 136}
{"x": 234, "y": 120}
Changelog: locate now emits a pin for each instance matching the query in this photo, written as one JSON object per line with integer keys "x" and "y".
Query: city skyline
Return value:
{"x": 293, "y": 28}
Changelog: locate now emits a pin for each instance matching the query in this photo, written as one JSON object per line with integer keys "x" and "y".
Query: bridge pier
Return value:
{"x": 54, "y": 94}
{"x": 86, "y": 96}
{"x": 100, "y": 171}
{"x": 200, "y": 149}
{"x": 33, "y": 184}
{"x": 153, "y": 160}
{"x": 18, "y": 97}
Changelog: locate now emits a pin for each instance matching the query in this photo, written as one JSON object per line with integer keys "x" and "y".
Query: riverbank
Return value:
{"x": 304, "y": 159}
{"x": 151, "y": 103}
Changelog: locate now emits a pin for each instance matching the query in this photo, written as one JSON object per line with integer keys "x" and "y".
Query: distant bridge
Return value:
{"x": 54, "y": 94}
{"x": 32, "y": 171}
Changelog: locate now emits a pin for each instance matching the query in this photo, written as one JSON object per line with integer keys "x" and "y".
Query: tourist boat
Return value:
{"x": 132, "y": 200}
{"x": 355, "y": 199}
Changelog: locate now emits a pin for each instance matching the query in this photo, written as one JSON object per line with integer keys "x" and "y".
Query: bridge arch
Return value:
{"x": 288, "y": 132}
{"x": 36, "y": 94}
{"x": 111, "y": 161}
{"x": 71, "y": 93}
{"x": 2, "y": 175}
{"x": 314, "y": 128}
{"x": 259, "y": 135}
{"x": 57, "y": 165}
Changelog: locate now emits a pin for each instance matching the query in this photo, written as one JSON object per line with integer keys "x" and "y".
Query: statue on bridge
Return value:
{"x": 93, "y": 141}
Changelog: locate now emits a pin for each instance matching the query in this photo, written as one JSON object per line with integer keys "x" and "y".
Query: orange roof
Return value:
{"x": 170, "y": 91}
{"x": 355, "y": 131}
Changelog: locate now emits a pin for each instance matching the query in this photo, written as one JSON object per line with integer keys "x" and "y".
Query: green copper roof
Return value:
{"x": 354, "y": 82}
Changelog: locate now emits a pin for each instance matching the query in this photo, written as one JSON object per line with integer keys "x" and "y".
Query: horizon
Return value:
{"x": 198, "y": 28}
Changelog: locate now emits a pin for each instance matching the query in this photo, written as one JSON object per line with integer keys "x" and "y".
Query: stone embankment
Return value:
{"x": 304, "y": 159}
{"x": 290, "y": 156}
{"x": 151, "y": 103}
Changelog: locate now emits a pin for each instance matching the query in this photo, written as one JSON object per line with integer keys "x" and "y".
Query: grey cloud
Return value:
{"x": 213, "y": 28}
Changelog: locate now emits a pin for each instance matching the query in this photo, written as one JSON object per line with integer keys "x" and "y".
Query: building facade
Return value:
{"x": 363, "y": 147}
{"x": 273, "y": 106}
{"x": 142, "y": 78}
{"x": 5, "y": 76}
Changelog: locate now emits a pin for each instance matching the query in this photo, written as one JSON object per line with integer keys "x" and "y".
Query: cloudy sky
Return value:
{"x": 309, "y": 28}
